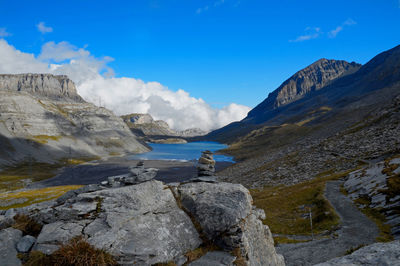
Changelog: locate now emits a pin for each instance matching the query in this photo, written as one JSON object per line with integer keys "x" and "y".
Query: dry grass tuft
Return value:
{"x": 27, "y": 225}
{"x": 76, "y": 252}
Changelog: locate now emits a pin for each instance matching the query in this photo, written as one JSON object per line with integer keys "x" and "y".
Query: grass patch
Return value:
{"x": 76, "y": 252}
{"x": 286, "y": 206}
{"x": 44, "y": 139}
{"x": 14, "y": 177}
{"x": 20, "y": 199}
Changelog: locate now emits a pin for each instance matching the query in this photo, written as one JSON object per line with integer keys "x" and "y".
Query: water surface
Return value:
{"x": 182, "y": 152}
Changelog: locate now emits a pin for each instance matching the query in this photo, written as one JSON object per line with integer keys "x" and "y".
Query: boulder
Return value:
{"x": 142, "y": 224}
{"x": 226, "y": 216}
{"x": 25, "y": 243}
{"x": 8, "y": 240}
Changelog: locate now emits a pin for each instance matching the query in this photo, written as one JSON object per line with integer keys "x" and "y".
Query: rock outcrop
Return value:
{"x": 384, "y": 254}
{"x": 53, "y": 86}
{"x": 43, "y": 118}
{"x": 375, "y": 187}
{"x": 151, "y": 223}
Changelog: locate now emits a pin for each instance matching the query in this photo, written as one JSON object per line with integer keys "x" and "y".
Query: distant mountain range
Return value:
{"x": 145, "y": 126}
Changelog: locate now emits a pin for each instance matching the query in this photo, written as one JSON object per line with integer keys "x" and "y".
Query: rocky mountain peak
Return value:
{"x": 312, "y": 78}
{"x": 48, "y": 85}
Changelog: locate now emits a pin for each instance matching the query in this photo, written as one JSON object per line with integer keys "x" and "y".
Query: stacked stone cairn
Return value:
{"x": 206, "y": 164}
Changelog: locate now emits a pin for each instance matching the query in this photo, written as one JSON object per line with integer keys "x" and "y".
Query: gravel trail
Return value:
{"x": 355, "y": 230}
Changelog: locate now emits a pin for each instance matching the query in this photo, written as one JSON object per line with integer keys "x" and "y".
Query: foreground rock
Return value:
{"x": 150, "y": 223}
{"x": 383, "y": 254}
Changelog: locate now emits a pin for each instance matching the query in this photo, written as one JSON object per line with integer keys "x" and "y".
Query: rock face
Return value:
{"x": 206, "y": 164}
{"x": 311, "y": 78}
{"x": 384, "y": 254}
{"x": 55, "y": 86}
{"x": 42, "y": 117}
{"x": 151, "y": 223}
{"x": 145, "y": 125}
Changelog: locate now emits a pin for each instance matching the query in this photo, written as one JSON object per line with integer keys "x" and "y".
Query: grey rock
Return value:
{"x": 382, "y": 254}
{"x": 144, "y": 224}
{"x": 214, "y": 258}
{"x": 217, "y": 207}
{"x": 59, "y": 232}
{"x": 8, "y": 239}
{"x": 10, "y": 213}
{"x": 25, "y": 243}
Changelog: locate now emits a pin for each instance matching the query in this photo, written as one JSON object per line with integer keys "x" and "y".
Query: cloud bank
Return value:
{"x": 96, "y": 83}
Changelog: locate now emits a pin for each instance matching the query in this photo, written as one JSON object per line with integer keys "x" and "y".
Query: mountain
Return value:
{"x": 333, "y": 128}
{"x": 43, "y": 118}
{"x": 320, "y": 92}
{"x": 144, "y": 125}
{"x": 309, "y": 79}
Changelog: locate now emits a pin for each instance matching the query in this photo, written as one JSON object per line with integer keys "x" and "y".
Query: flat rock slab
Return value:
{"x": 382, "y": 254}
{"x": 215, "y": 258}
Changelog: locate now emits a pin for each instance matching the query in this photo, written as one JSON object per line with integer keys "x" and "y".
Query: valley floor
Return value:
{"x": 98, "y": 171}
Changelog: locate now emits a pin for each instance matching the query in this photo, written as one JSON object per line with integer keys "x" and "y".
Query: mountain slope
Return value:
{"x": 43, "y": 118}
{"x": 352, "y": 120}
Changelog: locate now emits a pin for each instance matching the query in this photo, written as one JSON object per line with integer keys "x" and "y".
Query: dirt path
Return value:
{"x": 355, "y": 230}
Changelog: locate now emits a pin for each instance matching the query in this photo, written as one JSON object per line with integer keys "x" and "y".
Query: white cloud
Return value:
{"x": 214, "y": 4}
{"x": 311, "y": 33}
{"x": 333, "y": 33}
{"x": 4, "y": 33}
{"x": 43, "y": 28}
{"x": 122, "y": 95}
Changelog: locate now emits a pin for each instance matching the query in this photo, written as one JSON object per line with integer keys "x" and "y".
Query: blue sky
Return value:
{"x": 222, "y": 51}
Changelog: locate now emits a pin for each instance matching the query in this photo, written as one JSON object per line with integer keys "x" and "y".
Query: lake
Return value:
{"x": 182, "y": 152}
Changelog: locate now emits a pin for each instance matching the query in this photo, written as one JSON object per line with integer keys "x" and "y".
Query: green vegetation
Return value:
{"x": 24, "y": 198}
{"x": 44, "y": 139}
{"x": 76, "y": 252}
{"x": 287, "y": 207}
{"x": 16, "y": 176}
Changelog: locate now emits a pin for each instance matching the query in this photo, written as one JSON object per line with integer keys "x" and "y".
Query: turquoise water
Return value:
{"x": 182, "y": 152}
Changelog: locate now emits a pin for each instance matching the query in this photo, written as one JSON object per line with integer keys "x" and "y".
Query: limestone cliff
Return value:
{"x": 43, "y": 118}
{"x": 57, "y": 86}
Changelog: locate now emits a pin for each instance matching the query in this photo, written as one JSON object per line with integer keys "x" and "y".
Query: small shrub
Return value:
{"x": 27, "y": 225}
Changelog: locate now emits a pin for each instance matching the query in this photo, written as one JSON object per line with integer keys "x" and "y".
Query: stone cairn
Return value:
{"x": 206, "y": 164}
{"x": 137, "y": 174}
